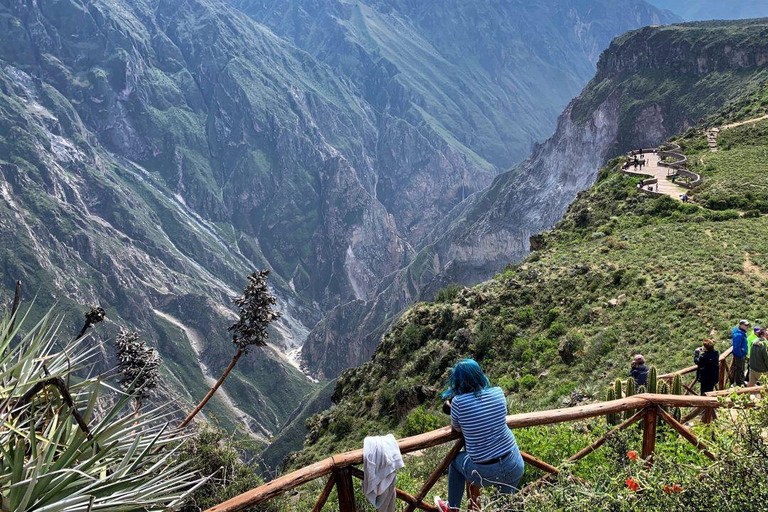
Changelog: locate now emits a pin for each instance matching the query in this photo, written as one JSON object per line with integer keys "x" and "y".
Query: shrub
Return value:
{"x": 557, "y": 329}
{"x": 569, "y": 345}
{"x": 524, "y": 316}
{"x": 448, "y": 293}
{"x": 527, "y": 382}
{"x": 215, "y": 453}
{"x": 420, "y": 420}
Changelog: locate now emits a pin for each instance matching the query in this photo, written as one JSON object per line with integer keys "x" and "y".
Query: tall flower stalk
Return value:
{"x": 256, "y": 312}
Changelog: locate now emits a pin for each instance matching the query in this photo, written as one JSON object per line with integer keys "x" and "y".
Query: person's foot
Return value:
{"x": 441, "y": 505}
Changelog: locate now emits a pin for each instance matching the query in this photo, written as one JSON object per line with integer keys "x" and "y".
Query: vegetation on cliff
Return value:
{"x": 624, "y": 272}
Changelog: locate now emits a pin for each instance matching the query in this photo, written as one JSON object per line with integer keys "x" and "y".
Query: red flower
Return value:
{"x": 632, "y": 455}
{"x": 632, "y": 484}
{"x": 676, "y": 488}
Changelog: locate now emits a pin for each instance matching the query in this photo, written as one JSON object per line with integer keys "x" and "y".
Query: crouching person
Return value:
{"x": 491, "y": 455}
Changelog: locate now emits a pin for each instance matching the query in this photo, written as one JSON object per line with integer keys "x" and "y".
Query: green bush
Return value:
{"x": 420, "y": 420}
{"x": 215, "y": 453}
{"x": 527, "y": 382}
{"x": 524, "y": 316}
{"x": 448, "y": 293}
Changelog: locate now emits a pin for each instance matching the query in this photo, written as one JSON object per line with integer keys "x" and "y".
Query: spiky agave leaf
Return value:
{"x": 49, "y": 463}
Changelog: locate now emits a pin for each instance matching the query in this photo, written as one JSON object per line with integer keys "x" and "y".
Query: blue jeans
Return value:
{"x": 505, "y": 475}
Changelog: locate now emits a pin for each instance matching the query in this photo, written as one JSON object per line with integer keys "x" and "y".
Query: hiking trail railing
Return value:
{"x": 677, "y": 165}
{"x": 649, "y": 408}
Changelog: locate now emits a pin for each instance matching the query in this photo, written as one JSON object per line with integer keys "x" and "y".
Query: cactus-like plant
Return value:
{"x": 68, "y": 443}
{"x": 612, "y": 418}
{"x": 617, "y": 388}
{"x": 138, "y": 366}
{"x": 677, "y": 389}
{"x": 630, "y": 391}
{"x": 630, "y": 387}
{"x": 652, "y": 382}
{"x": 677, "y": 385}
{"x": 663, "y": 388}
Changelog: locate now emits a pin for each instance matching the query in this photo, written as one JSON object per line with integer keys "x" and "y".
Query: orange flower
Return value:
{"x": 632, "y": 455}
{"x": 632, "y": 484}
{"x": 677, "y": 488}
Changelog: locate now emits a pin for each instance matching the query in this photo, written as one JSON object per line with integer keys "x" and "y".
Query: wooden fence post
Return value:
{"x": 723, "y": 373}
{"x": 649, "y": 433}
{"x": 345, "y": 490}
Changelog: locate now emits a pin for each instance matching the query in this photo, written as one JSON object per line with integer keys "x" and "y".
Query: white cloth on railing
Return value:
{"x": 381, "y": 460}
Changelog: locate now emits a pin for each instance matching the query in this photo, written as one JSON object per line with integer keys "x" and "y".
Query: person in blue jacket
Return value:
{"x": 739, "y": 341}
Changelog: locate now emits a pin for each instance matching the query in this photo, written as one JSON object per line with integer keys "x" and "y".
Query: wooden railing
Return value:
{"x": 340, "y": 469}
{"x": 678, "y": 166}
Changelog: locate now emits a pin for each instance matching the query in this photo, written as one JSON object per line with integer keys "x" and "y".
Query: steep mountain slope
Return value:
{"x": 624, "y": 272}
{"x": 650, "y": 84}
{"x": 714, "y": 9}
{"x": 493, "y": 75}
{"x": 156, "y": 151}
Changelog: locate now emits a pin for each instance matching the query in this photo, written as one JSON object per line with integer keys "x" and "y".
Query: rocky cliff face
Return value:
{"x": 701, "y": 66}
{"x": 154, "y": 152}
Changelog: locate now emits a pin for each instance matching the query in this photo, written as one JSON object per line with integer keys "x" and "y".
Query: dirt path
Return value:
{"x": 752, "y": 269}
{"x": 196, "y": 342}
{"x": 714, "y": 132}
{"x": 652, "y": 168}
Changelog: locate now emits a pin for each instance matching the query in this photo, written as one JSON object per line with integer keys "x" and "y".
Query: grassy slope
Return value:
{"x": 677, "y": 271}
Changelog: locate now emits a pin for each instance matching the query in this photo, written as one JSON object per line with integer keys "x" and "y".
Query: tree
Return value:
{"x": 138, "y": 366}
{"x": 255, "y": 314}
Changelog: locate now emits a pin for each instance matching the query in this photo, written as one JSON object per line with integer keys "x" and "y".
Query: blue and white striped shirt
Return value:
{"x": 482, "y": 418}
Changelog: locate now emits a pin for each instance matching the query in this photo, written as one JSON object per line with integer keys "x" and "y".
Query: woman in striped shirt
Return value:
{"x": 491, "y": 455}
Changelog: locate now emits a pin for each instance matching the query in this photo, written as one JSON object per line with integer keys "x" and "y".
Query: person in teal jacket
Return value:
{"x": 751, "y": 337}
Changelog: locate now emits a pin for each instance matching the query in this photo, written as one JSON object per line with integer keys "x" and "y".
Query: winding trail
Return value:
{"x": 653, "y": 169}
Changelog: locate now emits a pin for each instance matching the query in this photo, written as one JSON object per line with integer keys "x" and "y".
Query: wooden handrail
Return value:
{"x": 443, "y": 435}
{"x": 691, "y": 369}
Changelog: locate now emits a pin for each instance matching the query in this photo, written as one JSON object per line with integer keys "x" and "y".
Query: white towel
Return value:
{"x": 381, "y": 460}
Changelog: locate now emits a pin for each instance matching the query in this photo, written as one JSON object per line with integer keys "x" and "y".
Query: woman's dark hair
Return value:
{"x": 466, "y": 377}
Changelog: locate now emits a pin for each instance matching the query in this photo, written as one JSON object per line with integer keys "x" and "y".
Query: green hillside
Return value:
{"x": 622, "y": 273}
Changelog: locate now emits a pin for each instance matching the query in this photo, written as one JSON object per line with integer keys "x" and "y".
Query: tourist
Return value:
{"x": 639, "y": 371}
{"x": 707, "y": 360}
{"x": 758, "y": 359}
{"x": 491, "y": 455}
{"x": 739, "y": 342}
{"x": 751, "y": 337}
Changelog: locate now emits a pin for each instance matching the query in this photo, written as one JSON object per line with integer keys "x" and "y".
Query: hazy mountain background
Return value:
{"x": 714, "y": 9}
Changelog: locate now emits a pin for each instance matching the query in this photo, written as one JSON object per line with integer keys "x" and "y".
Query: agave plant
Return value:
{"x": 72, "y": 444}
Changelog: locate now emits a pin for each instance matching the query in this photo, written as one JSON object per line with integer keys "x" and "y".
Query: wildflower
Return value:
{"x": 632, "y": 484}
{"x": 676, "y": 488}
{"x": 632, "y": 455}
